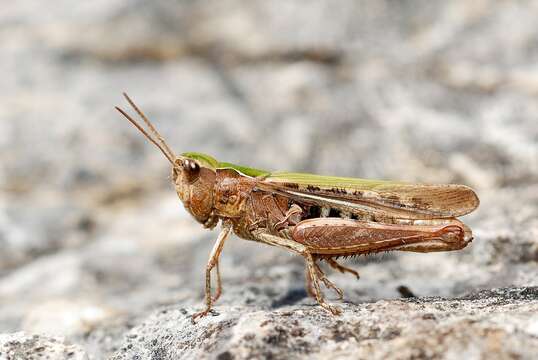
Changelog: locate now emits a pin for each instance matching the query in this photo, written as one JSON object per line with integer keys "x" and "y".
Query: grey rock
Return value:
{"x": 503, "y": 322}
{"x": 19, "y": 346}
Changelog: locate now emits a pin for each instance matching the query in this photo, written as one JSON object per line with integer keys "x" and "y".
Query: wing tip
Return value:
{"x": 476, "y": 200}
{"x": 473, "y": 200}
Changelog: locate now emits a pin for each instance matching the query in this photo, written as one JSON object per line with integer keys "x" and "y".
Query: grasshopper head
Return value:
{"x": 193, "y": 174}
{"x": 194, "y": 177}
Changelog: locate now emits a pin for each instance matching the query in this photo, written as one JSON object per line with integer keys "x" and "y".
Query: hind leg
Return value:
{"x": 342, "y": 268}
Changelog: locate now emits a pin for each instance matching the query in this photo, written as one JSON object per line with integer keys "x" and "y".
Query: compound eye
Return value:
{"x": 192, "y": 170}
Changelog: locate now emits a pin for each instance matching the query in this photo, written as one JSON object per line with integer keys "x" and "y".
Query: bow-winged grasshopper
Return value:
{"x": 316, "y": 217}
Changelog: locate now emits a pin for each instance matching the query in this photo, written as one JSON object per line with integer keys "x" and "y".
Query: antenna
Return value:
{"x": 160, "y": 143}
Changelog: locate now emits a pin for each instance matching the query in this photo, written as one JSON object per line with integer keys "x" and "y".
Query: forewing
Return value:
{"x": 413, "y": 201}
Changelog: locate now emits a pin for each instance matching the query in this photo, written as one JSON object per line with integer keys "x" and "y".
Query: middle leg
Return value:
{"x": 313, "y": 273}
{"x": 341, "y": 268}
{"x": 328, "y": 283}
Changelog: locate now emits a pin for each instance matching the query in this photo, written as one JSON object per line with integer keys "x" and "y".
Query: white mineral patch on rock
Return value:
{"x": 65, "y": 318}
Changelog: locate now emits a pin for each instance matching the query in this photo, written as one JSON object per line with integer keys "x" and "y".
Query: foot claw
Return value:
{"x": 335, "y": 310}
{"x": 199, "y": 314}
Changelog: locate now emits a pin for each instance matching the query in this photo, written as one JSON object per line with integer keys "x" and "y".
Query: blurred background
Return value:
{"x": 92, "y": 235}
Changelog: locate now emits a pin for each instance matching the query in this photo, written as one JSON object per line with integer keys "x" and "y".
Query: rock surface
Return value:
{"x": 500, "y": 323}
{"x": 97, "y": 250}
{"x": 32, "y": 347}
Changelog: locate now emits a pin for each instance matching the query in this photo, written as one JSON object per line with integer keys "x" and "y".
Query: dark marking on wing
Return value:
{"x": 291, "y": 185}
{"x": 396, "y": 199}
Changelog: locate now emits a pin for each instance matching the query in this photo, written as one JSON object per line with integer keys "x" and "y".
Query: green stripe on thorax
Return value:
{"x": 211, "y": 162}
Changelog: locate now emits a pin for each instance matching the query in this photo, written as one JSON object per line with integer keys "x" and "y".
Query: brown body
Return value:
{"x": 313, "y": 216}
{"x": 246, "y": 204}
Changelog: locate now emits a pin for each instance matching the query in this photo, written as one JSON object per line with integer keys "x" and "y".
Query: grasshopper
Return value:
{"x": 316, "y": 217}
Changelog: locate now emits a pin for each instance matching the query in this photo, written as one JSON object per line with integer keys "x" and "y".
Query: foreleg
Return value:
{"x": 212, "y": 262}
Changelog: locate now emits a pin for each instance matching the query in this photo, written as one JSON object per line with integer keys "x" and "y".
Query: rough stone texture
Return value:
{"x": 96, "y": 249}
{"x": 18, "y": 346}
{"x": 501, "y": 323}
